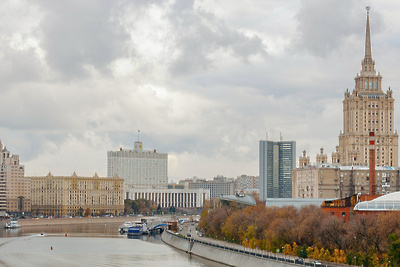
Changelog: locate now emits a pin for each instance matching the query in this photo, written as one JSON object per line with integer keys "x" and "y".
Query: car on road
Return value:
{"x": 299, "y": 261}
{"x": 317, "y": 263}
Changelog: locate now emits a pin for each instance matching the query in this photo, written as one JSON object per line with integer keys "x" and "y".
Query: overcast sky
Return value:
{"x": 204, "y": 81}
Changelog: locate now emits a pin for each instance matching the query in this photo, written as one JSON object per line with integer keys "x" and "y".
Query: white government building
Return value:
{"x": 140, "y": 168}
{"x": 146, "y": 176}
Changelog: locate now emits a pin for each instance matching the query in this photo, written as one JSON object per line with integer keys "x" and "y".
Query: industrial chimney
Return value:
{"x": 372, "y": 184}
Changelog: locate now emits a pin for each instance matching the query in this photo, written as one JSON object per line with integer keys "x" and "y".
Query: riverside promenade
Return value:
{"x": 230, "y": 253}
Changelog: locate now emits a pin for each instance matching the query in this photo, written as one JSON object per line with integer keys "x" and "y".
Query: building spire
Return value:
{"x": 368, "y": 37}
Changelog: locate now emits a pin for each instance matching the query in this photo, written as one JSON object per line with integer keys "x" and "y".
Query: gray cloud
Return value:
{"x": 80, "y": 34}
{"x": 79, "y": 79}
{"x": 324, "y": 27}
{"x": 201, "y": 39}
{"x": 18, "y": 66}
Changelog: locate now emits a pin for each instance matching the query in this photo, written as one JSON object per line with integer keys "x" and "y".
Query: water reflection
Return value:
{"x": 88, "y": 245}
{"x": 156, "y": 239}
{"x": 92, "y": 230}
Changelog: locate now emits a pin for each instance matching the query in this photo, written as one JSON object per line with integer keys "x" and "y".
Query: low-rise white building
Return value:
{"x": 179, "y": 198}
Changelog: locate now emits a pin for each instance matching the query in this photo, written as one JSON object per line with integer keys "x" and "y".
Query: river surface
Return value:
{"x": 88, "y": 245}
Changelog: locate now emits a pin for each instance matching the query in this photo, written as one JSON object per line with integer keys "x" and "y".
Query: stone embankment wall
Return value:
{"x": 82, "y": 220}
{"x": 223, "y": 254}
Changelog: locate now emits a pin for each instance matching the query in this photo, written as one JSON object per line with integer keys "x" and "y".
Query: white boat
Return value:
{"x": 138, "y": 228}
{"x": 12, "y": 224}
{"x": 124, "y": 228}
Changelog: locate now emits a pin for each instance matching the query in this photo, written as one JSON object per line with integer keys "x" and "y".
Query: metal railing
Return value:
{"x": 253, "y": 252}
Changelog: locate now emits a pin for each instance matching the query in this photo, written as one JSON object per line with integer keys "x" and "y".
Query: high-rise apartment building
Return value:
{"x": 3, "y": 192}
{"x": 140, "y": 168}
{"x": 15, "y": 191}
{"x": 368, "y": 109}
{"x": 247, "y": 184}
{"x": 277, "y": 159}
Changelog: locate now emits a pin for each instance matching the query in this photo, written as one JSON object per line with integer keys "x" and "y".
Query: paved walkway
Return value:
{"x": 191, "y": 227}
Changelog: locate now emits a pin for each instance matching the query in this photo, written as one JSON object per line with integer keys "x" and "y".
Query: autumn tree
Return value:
{"x": 389, "y": 223}
{"x": 333, "y": 233}
{"x": 87, "y": 212}
{"x": 309, "y": 221}
{"x": 159, "y": 210}
{"x": 128, "y": 206}
{"x": 142, "y": 205}
{"x": 282, "y": 228}
{"x": 307, "y": 232}
{"x": 394, "y": 249}
{"x": 154, "y": 208}
{"x": 363, "y": 232}
{"x": 235, "y": 226}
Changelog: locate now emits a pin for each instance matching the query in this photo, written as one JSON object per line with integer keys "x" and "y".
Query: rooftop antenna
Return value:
{"x": 138, "y": 133}
{"x": 266, "y": 136}
{"x": 280, "y": 136}
{"x": 368, "y": 53}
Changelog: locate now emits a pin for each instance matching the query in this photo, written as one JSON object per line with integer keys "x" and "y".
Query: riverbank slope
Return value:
{"x": 77, "y": 220}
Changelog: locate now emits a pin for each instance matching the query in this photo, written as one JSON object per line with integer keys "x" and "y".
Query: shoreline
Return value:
{"x": 78, "y": 220}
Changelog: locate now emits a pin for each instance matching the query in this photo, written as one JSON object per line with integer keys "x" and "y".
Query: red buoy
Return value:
{"x": 51, "y": 248}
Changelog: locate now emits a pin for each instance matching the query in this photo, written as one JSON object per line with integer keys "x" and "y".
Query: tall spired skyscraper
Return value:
{"x": 368, "y": 109}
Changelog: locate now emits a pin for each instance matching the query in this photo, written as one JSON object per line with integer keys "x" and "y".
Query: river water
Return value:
{"x": 88, "y": 245}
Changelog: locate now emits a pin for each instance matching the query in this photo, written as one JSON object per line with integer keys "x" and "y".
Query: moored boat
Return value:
{"x": 138, "y": 228}
{"x": 124, "y": 227}
{"x": 12, "y": 224}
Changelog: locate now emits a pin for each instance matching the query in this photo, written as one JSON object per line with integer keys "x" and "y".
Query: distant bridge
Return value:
{"x": 159, "y": 227}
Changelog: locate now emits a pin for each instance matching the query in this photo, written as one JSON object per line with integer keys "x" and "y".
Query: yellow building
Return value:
{"x": 74, "y": 195}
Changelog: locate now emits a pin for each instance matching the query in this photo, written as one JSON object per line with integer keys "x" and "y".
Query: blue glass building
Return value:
{"x": 277, "y": 159}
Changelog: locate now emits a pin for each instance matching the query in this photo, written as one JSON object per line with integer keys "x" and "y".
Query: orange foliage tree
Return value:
{"x": 307, "y": 232}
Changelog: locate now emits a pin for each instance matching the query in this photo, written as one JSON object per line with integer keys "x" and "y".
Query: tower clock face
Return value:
{"x": 140, "y": 146}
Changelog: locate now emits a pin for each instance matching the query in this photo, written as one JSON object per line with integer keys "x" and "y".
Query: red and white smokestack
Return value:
{"x": 372, "y": 185}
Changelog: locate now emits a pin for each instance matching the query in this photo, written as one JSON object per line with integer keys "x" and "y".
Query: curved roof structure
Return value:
{"x": 387, "y": 202}
{"x": 241, "y": 199}
{"x": 296, "y": 202}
